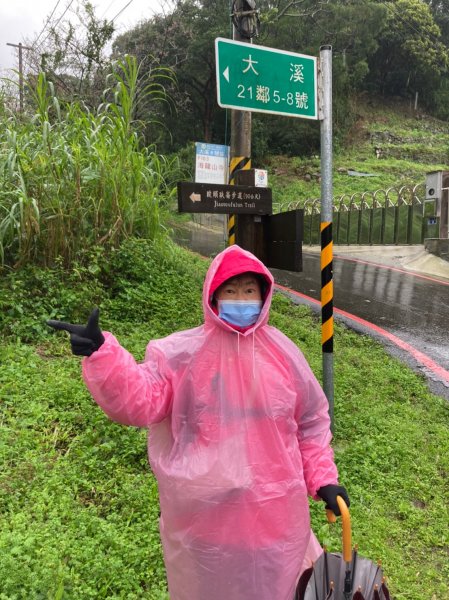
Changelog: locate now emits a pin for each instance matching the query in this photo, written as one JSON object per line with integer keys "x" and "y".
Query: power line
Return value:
{"x": 36, "y": 47}
{"x": 47, "y": 22}
{"x": 407, "y": 23}
{"x": 42, "y": 30}
{"x": 119, "y": 13}
{"x": 57, "y": 22}
{"x": 108, "y": 7}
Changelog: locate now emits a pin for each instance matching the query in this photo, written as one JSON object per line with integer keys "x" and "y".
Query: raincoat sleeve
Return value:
{"x": 128, "y": 392}
{"x": 314, "y": 435}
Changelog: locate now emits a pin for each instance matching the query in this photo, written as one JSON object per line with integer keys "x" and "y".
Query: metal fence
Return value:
{"x": 391, "y": 216}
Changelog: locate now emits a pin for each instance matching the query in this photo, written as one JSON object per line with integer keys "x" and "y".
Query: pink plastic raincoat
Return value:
{"x": 238, "y": 438}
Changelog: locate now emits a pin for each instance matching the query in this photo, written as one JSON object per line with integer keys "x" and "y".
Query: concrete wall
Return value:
{"x": 438, "y": 246}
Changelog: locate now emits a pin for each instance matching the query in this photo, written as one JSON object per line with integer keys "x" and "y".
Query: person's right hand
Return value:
{"x": 84, "y": 339}
{"x": 329, "y": 494}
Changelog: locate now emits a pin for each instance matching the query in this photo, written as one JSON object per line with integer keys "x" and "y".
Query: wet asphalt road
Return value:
{"x": 413, "y": 308}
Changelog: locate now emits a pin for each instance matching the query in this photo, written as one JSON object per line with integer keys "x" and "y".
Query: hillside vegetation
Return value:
{"x": 410, "y": 144}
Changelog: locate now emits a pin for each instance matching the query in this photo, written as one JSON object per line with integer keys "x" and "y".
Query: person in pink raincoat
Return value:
{"x": 238, "y": 437}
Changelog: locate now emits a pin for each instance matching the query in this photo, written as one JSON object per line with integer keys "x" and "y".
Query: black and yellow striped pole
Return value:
{"x": 231, "y": 230}
{"x": 327, "y": 286}
{"x": 236, "y": 163}
{"x": 327, "y": 289}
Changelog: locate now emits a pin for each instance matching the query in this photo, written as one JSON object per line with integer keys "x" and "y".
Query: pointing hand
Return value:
{"x": 84, "y": 339}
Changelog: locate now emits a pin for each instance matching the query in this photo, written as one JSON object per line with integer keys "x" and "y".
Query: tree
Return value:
{"x": 73, "y": 54}
{"x": 393, "y": 47}
{"x": 440, "y": 12}
{"x": 411, "y": 55}
{"x": 351, "y": 28}
{"x": 184, "y": 41}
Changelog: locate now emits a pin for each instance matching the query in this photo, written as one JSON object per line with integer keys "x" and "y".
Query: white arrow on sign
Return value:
{"x": 226, "y": 74}
{"x": 195, "y": 197}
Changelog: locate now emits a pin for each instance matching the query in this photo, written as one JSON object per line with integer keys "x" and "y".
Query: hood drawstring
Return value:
{"x": 254, "y": 355}
{"x": 253, "y": 334}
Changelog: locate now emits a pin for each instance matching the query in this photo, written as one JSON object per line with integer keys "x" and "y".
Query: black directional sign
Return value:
{"x": 227, "y": 199}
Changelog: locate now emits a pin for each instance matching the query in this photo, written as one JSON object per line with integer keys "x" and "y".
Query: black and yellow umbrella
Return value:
{"x": 345, "y": 575}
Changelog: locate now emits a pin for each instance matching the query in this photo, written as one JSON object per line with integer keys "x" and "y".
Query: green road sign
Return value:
{"x": 261, "y": 79}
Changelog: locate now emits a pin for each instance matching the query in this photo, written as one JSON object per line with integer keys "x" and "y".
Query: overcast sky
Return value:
{"x": 22, "y": 20}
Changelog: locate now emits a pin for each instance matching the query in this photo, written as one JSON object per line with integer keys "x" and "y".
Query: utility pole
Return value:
{"x": 21, "y": 47}
{"x": 245, "y": 26}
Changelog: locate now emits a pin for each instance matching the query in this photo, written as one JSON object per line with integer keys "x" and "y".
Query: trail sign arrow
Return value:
{"x": 195, "y": 197}
{"x": 262, "y": 79}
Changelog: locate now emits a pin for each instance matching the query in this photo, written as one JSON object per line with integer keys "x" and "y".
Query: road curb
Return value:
{"x": 436, "y": 376}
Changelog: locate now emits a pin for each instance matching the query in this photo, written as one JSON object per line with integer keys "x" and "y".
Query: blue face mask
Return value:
{"x": 242, "y": 313}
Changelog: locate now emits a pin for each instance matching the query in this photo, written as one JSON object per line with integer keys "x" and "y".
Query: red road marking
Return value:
{"x": 373, "y": 264}
{"x": 420, "y": 357}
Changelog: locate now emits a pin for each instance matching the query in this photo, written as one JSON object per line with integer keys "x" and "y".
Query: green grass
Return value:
{"x": 78, "y": 503}
{"x": 79, "y": 509}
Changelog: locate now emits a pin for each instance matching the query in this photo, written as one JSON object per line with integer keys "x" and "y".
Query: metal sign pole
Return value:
{"x": 327, "y": 291}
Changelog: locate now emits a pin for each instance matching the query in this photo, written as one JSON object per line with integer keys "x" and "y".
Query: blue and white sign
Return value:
{"x": 212, "y": 163}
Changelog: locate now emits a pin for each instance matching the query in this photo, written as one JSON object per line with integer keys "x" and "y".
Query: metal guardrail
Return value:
{"x": 391, "y": 216}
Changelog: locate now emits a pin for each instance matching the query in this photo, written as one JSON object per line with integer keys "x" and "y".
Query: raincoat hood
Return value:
{"x": 232, "y": 262}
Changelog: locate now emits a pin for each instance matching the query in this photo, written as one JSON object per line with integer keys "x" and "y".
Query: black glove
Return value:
{"x": 329, "y": 494}
{"x": 84, "y": 339}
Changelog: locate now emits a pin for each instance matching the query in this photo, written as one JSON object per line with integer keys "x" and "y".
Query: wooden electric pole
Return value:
{"x": 21, "y": 47}
{"x": 240, "y": 152}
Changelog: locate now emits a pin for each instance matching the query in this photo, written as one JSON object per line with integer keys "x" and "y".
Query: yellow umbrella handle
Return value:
{"x": 346, "y": 523}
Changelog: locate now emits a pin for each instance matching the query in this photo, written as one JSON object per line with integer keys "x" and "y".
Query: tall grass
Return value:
{"x": 71, "y": 178}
